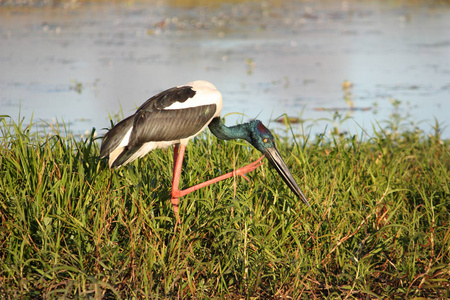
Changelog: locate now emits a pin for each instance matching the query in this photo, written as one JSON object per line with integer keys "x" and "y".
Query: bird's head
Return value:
{"x": 262, "y": 139}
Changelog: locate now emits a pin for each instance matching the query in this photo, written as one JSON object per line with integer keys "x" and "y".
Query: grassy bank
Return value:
{"x": 379, "y": 224}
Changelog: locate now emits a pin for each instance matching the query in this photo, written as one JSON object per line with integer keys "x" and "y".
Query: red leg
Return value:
{"x": 178, "y": 156}
{"x": 175, "y": 156}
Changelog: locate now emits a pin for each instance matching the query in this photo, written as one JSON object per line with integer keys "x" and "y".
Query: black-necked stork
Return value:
{"x": 175, "y": 116}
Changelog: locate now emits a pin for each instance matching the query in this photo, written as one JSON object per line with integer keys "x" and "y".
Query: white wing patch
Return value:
{"x": 205, "y": 94}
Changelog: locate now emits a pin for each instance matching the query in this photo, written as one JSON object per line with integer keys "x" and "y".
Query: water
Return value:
{"x": 80, "y": 63}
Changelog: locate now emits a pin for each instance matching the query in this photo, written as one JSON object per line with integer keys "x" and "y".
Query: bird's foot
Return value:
{"x": 175, "y": 203}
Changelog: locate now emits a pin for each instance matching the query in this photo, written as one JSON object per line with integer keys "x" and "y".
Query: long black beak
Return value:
{"x": 275, "y": 159}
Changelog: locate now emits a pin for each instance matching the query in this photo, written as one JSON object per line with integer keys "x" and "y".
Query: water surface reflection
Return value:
{"x": 306, "y": 59}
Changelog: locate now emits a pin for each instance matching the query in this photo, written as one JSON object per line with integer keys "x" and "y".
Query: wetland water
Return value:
{"x": 78, "y": 63}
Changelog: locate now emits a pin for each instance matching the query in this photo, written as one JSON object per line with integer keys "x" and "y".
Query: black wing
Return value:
{"x": 158, "y": 102}
{"x": 170, "y": 125}
{"x": 165, "y": 125}
{"x": 153, "y": 123}
{"x": 167, "y": 98}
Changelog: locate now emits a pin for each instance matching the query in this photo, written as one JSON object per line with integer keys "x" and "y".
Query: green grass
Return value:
{"x": 72, "y": 228}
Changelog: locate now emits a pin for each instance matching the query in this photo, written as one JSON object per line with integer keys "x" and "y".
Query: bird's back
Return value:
{"x": 172, "y": 116}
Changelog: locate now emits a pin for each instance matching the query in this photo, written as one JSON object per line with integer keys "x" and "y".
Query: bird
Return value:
{"x": 175, "y": 116}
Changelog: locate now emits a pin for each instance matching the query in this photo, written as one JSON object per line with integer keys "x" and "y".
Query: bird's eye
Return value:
{"x": 265, "y": 140}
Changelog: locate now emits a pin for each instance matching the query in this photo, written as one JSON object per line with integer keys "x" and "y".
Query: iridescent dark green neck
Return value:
{"x": 241, "y": 131}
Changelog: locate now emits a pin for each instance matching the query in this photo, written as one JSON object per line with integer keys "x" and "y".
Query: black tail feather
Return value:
{"x": 113, "y": 137}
